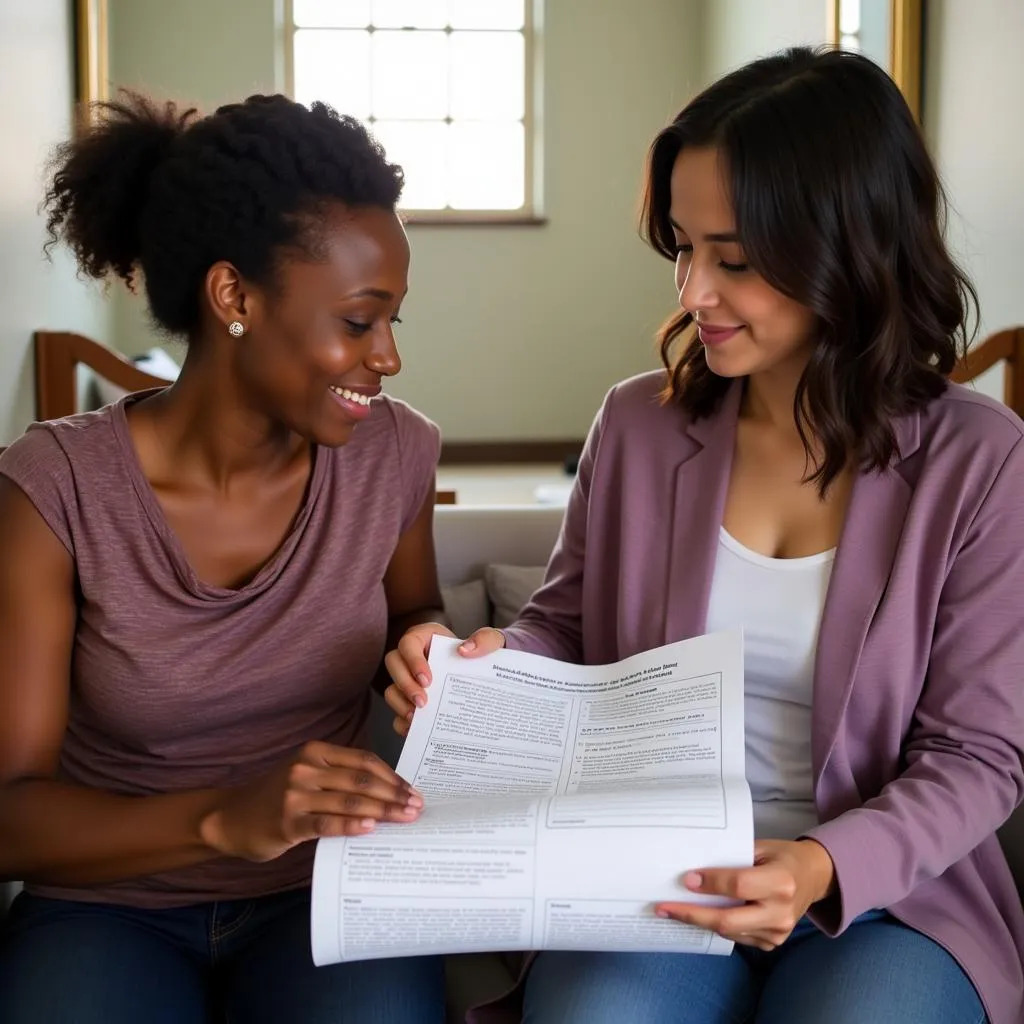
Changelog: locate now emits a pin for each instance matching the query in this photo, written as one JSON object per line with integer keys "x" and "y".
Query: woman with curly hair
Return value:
{"x": 802, "y": 469}
{"x": 197, "y": 583}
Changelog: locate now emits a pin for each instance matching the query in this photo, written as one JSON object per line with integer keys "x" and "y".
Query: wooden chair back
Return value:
{"x": 1002, "y": 347}
{"x": 58, "y": 355}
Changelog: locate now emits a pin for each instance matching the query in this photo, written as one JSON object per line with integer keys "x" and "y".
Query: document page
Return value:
{"x": 562, "y": 803}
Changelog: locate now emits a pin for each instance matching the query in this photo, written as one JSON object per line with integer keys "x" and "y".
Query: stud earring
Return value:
{"x": 236, "y": 328}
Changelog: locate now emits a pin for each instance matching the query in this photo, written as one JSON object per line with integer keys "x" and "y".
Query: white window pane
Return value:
{"x": 410, "y": 13}
{"x": 487, "y": 168}
{"x": 849, "y": 43}
{"x": 421, "y": 147}
{"x": 410, "y": 75}
{"x": 331, "y": 13}
{"x": 487, "y": 80}
{"x": 334, "y": 66}
{"x": 849, "y": 17}
{"x": 486, "y": 14}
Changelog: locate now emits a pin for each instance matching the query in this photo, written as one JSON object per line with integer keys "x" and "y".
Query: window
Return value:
{"x": 866, "y": 26}
{"x": 445, "y": 85}
{"x": 849, "y": 25}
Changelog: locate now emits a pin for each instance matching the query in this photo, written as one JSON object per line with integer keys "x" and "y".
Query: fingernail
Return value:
{"x": 693, "y": 879}
{"x": 423, "y": 679}
{"x": 415, "y": 800}
{"x": 468, "y": 645}
{"x": 409, "y": 716}
{"x": 367, "y": 823}
{"x": 409, "y": 812}
{"x": 662, "y": 913}
{"x": 419, "y": 700}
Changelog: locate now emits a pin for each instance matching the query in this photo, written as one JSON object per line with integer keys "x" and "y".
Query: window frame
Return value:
{"x": 530, "y": 213}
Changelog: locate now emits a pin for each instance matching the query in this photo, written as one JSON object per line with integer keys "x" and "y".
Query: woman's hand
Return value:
{"x": 407, "y": 666}
{"x": 323, "y": 791}
{"x": 787, "y": 877}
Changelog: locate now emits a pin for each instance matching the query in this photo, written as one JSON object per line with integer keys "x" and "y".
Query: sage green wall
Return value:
{"x": 515, "y": 333}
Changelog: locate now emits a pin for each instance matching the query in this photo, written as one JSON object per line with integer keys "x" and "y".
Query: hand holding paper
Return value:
{"x": 409, "y": 668}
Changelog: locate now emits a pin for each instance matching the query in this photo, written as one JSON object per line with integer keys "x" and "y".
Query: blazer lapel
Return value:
{"x": 864, "y": 559}
{"x": 866, "y": 551}
{"x": 701, "y": 484}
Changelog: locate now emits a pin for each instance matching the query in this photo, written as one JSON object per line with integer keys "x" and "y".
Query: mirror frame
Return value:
{"x": 92, "y": 71}
{"x": 906, "y": 42}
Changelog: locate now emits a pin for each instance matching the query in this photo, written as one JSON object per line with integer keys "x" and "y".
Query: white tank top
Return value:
{"x": 778, "y": 602}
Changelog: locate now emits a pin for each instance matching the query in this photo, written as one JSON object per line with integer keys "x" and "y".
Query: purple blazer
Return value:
{"x": 918, "y": 712}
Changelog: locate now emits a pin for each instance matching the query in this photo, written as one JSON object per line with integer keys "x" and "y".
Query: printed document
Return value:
{"x": 562, "y": 803}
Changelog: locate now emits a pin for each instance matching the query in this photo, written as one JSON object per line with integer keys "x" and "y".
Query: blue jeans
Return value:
{"x": 240, "y": 961}
{"x": 877, "y": 972}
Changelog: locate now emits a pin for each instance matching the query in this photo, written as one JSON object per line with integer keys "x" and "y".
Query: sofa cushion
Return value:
{"x": 469, "y": 537}
{"x": 466, "y": 606}
{"x": 509, "y": 587}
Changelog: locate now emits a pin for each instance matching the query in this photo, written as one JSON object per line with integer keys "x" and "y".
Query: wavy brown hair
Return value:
{"x": 838, "y": 206}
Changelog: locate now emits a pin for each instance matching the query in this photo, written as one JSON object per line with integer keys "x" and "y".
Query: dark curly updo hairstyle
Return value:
{"x": 154, "y": 188}
{"x": 837, "y": 206}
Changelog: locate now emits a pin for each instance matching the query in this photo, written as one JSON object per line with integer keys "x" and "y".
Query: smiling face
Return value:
{"x": 319, "y": 343}
{"x": 746, "y": 326}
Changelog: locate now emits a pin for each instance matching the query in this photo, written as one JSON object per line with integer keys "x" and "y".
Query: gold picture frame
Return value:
{"x": 897, "y": 45}
{"x": 92, "y": 72}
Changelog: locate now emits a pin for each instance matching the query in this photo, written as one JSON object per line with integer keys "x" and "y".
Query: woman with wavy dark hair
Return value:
{"x": 803, "y": 469}
{"x": 197, "y": 583}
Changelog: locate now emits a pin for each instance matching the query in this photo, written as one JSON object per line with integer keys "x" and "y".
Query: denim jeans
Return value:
{"x": 239, "y": 961}
{"x": 877, "y": 972}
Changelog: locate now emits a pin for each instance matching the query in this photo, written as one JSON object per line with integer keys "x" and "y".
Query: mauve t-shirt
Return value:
{"x": 178, "y": 685}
